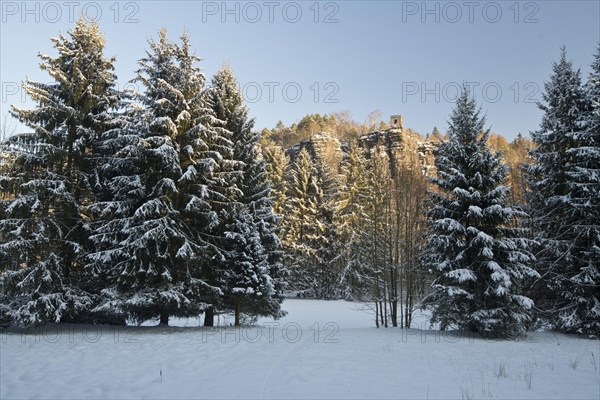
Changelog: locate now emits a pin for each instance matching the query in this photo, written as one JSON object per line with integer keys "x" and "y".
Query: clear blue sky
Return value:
{"x": 395, "y": 56}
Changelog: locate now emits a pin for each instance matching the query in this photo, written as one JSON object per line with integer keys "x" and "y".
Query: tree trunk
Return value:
{"x": 164, "y": 317}
{"x": 393, "y": 297}
{"x": 237, "y": 313}
{"x": 209, "y": 317}
{"x": 384, "y": 304}
{"x": 410, "y": 293}
{"x": 401, "y": 298}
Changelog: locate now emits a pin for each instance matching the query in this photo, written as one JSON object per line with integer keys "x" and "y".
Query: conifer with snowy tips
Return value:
{"x": 248, "y": 284}
{"x": 583, "y": 315}
{"x": 309, "y": 231}
{"x": 480, "y": 264}
{"x": 564, "y": 199}
{"x": 151, "y": 246}
{"x": 252, "y": 265}
{"x": 581, "y": 292}
{"x": 276, "y": 167}
{"x": 53, "y": 180}
{"x": 563, "y": 202}
{"x": 354, "y": 201}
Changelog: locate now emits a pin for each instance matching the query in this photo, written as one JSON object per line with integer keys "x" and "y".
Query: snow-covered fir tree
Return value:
{"x": 351, "y": 217}
{"x": 331, "y": 253}
{"x": 564, "y": 200}
{"x": 152, "y": 248}
{"x": 53, "y": 180}
{"x": 250, "y": 286}
{"x": 277, "y": 171}
{"x": 300, "y": 220}
{"x": 557, "y": 192}
{"x": 583, "y": 290}
{"x": 252, "y": 267}
{"x": 479, "y": 263}
{"x": 209, "y": 184}
{"x": 308, "y": 231}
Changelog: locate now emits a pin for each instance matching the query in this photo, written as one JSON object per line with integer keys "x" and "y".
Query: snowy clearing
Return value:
{"x": 322, "y": 349}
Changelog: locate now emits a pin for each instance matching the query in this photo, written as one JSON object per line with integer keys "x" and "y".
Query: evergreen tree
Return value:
{"x": 435, "y": 136}
{"x": 252, "y": 267}
{"x": 580, "y": 295}
{"x": 162, "y": 177}
{"x": 122, "y": 179}
{"x": 209, "y": 184}
{"x": 330, "y": 253}
{"x": 585, "y": 175}
{"x": 300, "y": 211}
{"x": 351, "y": 217}
{"x": 53, "y": 181}
{"x": 309, "y": 231}
{"x": 251, "y": 283}
{"x": 562, "y": 204}
{"x": 277, "y": 171}
{"x": 480, "y": 265}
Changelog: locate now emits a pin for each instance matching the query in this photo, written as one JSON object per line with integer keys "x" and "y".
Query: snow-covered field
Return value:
{"x": 322, "y": 349}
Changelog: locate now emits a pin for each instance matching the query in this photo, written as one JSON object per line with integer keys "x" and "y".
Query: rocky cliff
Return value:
{"x": 399, "y": 145}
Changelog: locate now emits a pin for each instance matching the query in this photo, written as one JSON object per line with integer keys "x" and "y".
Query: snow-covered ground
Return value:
{"x": 322, "y": 349}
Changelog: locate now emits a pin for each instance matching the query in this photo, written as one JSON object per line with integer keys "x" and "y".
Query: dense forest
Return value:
{"x": 123, "y": 206}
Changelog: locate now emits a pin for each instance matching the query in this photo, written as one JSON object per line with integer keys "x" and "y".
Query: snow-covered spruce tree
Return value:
{"x": 277, "y": 172}
{"x": 564, "y": 199}
{"x": 248, "y": 285}
{"x": 252, "y": 268}
{"x": 331, "y": 254}
{"x": 152, "y": 247}
{"x": 563, "y": 202}
{"x": 300, "y": 218}
{"x": 45, "y": 228}
{"x": 583, "y": 285}
{"x": 303, "y": 230}
{"x": 209, "y": 184}
{"x": 480, "y": 265}
{"x": 121, "y": 175}
{"x": 308, "y": 228}
{"x": 351, "y": 221}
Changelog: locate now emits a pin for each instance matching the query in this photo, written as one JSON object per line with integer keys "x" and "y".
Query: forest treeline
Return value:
{"x": 130, "y": 206}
